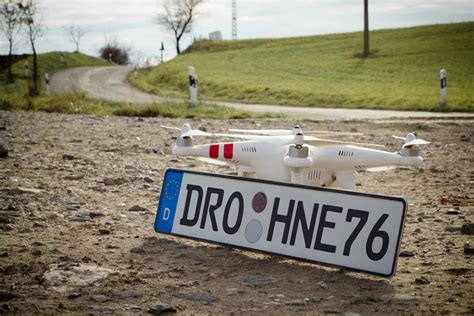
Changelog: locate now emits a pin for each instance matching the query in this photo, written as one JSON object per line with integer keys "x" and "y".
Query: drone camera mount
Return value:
{"x": 185, "y": 141}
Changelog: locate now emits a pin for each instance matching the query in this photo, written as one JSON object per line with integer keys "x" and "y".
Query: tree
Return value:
{"x": 10, "y": 26}
{"x": 366, "y": 27}
{"x": 74, "y": 34}
{"x": 178, "y": 17}
{"x": 33, "y": 29}
{"x": 116, "y": 52}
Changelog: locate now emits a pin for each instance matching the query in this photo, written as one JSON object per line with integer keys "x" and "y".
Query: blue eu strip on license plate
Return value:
{"x": 351, "y": 230}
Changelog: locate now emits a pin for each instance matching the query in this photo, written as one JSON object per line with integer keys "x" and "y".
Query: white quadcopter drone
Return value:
{"x": 295, "y": 157}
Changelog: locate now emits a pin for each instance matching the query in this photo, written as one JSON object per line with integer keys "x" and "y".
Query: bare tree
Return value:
{"x": 75, "y": 33}
{"x": 10, "y": 26}
{"x": 33, "y": 29}
{"x": 178, "y": 17}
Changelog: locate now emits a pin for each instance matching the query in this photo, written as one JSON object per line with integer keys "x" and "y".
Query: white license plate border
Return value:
{"x": 324, "y": 189}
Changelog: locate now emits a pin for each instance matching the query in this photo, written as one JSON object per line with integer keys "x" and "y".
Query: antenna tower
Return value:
{"x": 234, "y": 19}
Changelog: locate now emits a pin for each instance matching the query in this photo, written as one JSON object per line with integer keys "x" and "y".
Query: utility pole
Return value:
{"x": 234, "y": 19}
{"x": 366, "y": 27}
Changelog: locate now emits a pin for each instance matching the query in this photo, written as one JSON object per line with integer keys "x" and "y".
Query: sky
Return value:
{"x": 131, "y": 21}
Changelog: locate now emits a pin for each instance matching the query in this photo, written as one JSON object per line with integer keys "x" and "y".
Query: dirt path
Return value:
{"x": 73, "y": 240}
{"x": 111, "y": 83}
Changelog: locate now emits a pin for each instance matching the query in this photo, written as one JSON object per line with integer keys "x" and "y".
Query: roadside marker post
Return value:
{"x": 444, "y": 86}
{"x": 110, "y": 57}
{"x": 135, "y": 72}
{"x": 61, "y": 58}
{"x": 46, "y": 83}
{"x": 27, "y": 70}
{"x": 193, "y": 85}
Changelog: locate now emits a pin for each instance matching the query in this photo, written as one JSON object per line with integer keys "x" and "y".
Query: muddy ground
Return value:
{"x": 72, "y": 240}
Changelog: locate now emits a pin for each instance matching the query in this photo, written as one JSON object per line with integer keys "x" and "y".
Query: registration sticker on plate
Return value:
{"x": 352, "y": 230}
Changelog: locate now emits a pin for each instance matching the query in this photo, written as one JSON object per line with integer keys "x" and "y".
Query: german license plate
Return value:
{"x": 351, "y": 230}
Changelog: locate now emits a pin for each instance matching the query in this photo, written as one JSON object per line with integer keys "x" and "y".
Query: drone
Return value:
{"x": 294, "y": 156}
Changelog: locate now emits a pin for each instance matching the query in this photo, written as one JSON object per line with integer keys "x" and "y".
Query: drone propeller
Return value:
{"x": 288, "y": 138}
{"x": 187, "y": 131}
{"x": 294, "y": 131}
{"x": 323, "y": 142}
{"x": 411, "y": 140}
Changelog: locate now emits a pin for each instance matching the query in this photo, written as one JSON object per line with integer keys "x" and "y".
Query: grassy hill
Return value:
{"x": 15, "y": 96}
{"x": 402, "y": 71}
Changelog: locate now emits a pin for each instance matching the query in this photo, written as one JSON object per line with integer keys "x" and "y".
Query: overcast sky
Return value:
{"x": 131, "y": 21}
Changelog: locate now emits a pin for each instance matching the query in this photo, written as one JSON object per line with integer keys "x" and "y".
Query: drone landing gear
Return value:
{"x": 345, "y": 180}
{"x": 246, "y": 172}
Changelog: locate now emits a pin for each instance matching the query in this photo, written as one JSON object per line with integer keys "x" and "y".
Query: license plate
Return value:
{"x": 351, "y": 230}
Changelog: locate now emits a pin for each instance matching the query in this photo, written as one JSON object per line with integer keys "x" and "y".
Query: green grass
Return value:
{"x": 401, "y": 73}
{"x": 17, "y": 91}
{"x": 15, "y": 97}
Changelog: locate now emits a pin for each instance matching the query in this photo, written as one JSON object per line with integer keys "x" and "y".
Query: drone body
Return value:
{"x": 294, "y": 157}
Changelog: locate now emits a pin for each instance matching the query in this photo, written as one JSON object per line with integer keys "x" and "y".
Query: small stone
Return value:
{"x": 138, "y": 208}
{"x": 148, "y": 179}
{"x": 467, "y": 228}
{"x": 453, "y": 229}
{"x": 20, "y": 190}
{"x": 81, "y": 218}
{"x": 406, "y": 253}
{"x": 36, "y": 253}
{"x": 73, "y": 296}
{"x": 115, "y": 181}
{"x": 68, "y": 157}
{"x": 38, "y": 244}
{"x": 78, "y": 176}
{"x": 104, "y": 231}
{"x": 452, "y": 211}
{"x": 322, "y": 285}
{"x": 86, "y": 259}
{"x": 3, "y": 151}
{"x": 468, "y": 249}
{"x": 137, "y": 250}
{"x": 159, "y": 308}
{"x": 422, "y": 281}
{"x": 3, "y": 254}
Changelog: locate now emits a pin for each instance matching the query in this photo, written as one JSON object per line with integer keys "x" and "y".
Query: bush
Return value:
{"x": 117, "y": 52}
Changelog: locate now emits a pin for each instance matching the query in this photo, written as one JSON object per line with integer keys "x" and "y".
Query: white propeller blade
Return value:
{"x": 323, "y": 133}
{"x": 324, "y": 142}
{"x": 398, "y": 137}
{"x": 267, "y": 132}
{"x": 196, "y": 132}
{"x": 284, "y": 132}
{"x": 170, "y": 127}
{"x": 417, "y": 141}
{"x": 212, "y": 161}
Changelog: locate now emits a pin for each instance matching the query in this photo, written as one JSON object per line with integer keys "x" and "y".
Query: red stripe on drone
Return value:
{"x": 228, "y": 151}
{"x": 214, "y": 151}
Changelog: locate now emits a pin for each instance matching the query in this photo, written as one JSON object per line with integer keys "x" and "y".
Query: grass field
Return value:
{"x": 402, "y": 71}
{"x": 15, "y": 96}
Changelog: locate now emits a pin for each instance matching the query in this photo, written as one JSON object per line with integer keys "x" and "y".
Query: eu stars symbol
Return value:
{"x": 171, "y": 190}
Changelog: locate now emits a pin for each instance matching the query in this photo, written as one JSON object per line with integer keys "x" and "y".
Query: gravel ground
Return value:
{"x": 78, "y": 200}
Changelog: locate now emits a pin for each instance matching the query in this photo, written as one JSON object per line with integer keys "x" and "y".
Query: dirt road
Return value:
{"x": 78, "y": 198}
{"x": 111, "y": 83}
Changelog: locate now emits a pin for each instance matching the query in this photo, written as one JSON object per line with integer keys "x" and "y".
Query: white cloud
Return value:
{"x": 131, "y": 20}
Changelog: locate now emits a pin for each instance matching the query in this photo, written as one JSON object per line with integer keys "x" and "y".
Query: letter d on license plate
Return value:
{"x": 353, "y": 230}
